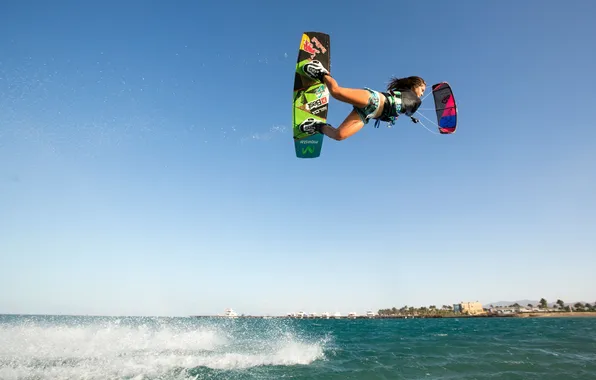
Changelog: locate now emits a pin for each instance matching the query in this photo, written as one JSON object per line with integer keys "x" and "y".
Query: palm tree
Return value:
{"x": 578, "y": 306}
{"x": 560, "y": 303}
{"x": 543, "y": 304}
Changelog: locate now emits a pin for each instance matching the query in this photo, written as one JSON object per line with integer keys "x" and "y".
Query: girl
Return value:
{"x": 402, "y": 97}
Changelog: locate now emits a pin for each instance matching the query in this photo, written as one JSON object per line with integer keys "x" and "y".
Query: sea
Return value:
{"x": 143, "y": 348}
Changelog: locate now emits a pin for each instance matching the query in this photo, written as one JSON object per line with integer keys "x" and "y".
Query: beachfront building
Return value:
{"x": 469, "y": 308}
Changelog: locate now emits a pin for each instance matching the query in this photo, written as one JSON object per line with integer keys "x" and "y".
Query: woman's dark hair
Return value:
{"x": 397, "y": 84}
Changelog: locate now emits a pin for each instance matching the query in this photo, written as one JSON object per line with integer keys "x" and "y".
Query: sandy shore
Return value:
{"x": 562, "y": 314}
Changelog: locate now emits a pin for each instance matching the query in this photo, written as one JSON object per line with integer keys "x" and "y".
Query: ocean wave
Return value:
{"x": 114, "y": 350}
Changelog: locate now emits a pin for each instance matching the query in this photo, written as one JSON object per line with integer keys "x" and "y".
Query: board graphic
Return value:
{"x": 311, "y": 97}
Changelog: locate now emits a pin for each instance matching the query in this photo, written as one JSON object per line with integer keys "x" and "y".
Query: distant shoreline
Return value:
{"x": 546, "y": 314}
{"x": 557, "y": 314}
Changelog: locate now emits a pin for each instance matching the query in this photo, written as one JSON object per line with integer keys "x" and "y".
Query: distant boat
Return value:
{"x": 230, "y": 313}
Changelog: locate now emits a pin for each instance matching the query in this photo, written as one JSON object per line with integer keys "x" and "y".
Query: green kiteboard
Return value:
{"x": 311, "y": 97}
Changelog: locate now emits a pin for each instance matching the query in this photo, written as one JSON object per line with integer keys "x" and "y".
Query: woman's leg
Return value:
{"x": 357, "y": 97}
{"x": 352, "y": 124}
{"x": 354, "y": 96}
{"x": 366, "y": 103}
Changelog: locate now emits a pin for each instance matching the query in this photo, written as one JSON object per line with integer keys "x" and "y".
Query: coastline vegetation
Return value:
{"x": 448, "y": 311}
{"x": 424, "y": 311}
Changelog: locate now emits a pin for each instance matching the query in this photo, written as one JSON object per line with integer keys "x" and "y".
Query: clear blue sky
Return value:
{"x": 147, "y": 165}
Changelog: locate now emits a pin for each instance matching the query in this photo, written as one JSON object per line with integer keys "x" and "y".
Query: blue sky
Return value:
{"x": 147, "y": 165}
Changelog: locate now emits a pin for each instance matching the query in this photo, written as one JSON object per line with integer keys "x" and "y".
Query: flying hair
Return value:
{"x": 398, "y": 84}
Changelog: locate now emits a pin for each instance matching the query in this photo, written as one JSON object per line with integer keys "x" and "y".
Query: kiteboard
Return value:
{"x": 311, "y": 97}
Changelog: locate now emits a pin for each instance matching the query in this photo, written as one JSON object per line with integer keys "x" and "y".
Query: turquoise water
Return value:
{"x": 56, "y": 347}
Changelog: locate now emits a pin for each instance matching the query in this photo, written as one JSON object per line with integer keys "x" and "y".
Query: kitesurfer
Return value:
{"x": 402, "y": 97}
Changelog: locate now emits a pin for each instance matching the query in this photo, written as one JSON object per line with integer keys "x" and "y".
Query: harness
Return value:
{"x": 398, "y": 102}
